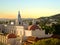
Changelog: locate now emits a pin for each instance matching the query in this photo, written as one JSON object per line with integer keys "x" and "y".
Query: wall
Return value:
{"x": 13, "y": 41}
{"x": 10, "y": 29}
{"x": 2, "y": 28}
{"x": 28, "y": 33}
{"x": 20, "y": 30}
{"x": 36, "y": 33}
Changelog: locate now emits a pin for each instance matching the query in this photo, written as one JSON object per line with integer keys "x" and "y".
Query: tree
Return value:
{"x": 49, "y": 29}
{"x": 30, "y": 23}
{"x": 57, "y": 28}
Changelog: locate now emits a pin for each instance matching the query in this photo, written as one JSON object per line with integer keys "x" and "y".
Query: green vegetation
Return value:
{"x": 50, "y": 41}
{"x": 46, "y": 24}
{"x": 49, "y": 29}
{"x": 53, "y": 29}
{"x": 57, "y": 29}
{"x": 30, "y": 23}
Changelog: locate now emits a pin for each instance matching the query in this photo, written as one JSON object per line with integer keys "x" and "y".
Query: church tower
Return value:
{"x": 19, "y": 20}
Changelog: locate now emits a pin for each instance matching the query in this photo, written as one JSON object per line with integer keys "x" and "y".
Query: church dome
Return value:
{"x": 33, "y": 27}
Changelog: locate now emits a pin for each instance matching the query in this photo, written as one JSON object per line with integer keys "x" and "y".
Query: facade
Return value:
{"x": 2, "y": 28}
{"x": 14, "y": 29}
{"x": 10, "y": 29}
{"x": 36, "y": 33}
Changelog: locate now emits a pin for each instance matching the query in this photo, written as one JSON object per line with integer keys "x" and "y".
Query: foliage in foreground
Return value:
{"x": 50, "y": 41}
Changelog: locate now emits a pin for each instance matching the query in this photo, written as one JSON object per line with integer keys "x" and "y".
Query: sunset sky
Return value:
{"x": 29, "y": 8}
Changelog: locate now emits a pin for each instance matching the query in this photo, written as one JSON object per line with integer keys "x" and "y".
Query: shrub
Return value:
{"x": 50, "y": 41}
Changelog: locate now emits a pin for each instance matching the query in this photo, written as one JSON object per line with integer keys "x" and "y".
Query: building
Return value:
{"x": 2, "y": 28}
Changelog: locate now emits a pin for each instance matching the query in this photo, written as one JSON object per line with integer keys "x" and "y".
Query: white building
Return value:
{"x": 36, "y": 33}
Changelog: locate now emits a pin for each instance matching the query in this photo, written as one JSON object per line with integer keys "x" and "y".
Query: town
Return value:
{"x": 29, "y": 22}
{"x": 18, "y": 31}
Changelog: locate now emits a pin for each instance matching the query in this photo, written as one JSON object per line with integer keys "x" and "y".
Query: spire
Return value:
{"x": 19, "y": 18}
{"x": 19, "y": 13}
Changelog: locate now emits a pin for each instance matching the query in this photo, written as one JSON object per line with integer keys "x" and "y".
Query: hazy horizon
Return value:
{"x": 29, "y": 8}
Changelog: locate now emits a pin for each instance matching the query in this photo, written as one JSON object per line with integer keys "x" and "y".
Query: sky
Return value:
{"x": 29, "y": 8}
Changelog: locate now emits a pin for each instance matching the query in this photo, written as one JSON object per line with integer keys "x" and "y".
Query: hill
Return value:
{"x": 51, "y": 19}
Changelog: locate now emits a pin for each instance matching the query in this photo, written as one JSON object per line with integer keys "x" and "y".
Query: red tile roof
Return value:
{"x": 11, "y": 35}
{"x": 33, "y": 27}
